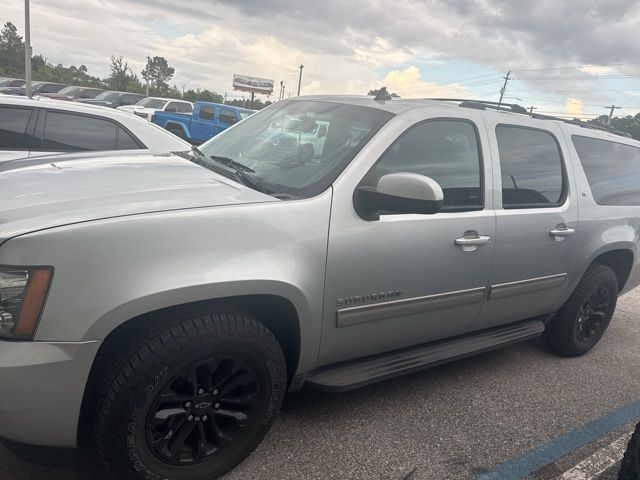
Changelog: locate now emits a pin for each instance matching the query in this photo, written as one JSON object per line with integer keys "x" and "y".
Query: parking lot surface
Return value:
{"x": 457, "y": 421}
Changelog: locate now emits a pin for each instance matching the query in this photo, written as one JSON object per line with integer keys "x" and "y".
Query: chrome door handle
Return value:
{"x": 561, "y": 231}
{"x": 472, "y": 240}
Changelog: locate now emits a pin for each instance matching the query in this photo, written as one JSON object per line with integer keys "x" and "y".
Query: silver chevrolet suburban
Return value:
{"x": 157, "y": 307}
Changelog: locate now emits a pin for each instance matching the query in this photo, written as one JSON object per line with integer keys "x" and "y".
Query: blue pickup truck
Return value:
{"x": 207, "y": 120}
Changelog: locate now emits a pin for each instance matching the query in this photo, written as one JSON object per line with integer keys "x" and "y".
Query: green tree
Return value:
{"x": 202, "y": 95}
{"x": 11, "y": 51}
{"x": 629, "y": 124}
{"x": 122, "y": 78}
{"x": 158, "y": 73}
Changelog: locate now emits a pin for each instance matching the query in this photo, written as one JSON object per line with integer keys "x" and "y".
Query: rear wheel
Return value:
{"x": 584, "y": 318}
{"x": 177, "y": 131}
{"x": 193, "y": 400}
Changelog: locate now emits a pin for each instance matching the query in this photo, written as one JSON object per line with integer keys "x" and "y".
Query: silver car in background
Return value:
{"x": 158, "y": 307}
{"x": 40, "y": 126}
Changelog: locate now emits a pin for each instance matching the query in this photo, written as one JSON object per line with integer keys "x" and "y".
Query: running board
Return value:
{"x": 357, "y": 373}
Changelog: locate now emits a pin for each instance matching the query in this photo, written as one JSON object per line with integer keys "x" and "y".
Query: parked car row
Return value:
{"x": 35, "y": 127}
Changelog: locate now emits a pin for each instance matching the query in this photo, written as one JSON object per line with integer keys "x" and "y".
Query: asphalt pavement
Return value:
{"x": 458, "y": 421}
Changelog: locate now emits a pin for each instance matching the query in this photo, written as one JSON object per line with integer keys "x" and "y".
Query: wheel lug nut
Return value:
{"x": 204, "y": 419}
{"x": 187, "y": 405}
{"x": 200, "y": 392}
{"x": 190, "y": 418}
{"x": 217, "y": 405}
{"x": 215, "y": 392}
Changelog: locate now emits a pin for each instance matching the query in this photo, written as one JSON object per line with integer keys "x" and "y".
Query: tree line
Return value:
{"x": 158, "y": 73}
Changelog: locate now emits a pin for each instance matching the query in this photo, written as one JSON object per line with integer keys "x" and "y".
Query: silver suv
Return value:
{"x": 158, "y": 307}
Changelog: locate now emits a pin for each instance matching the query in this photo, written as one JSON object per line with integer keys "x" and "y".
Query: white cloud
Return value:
{"x": 408, "y": 83}
{"x": 573, "y": 106}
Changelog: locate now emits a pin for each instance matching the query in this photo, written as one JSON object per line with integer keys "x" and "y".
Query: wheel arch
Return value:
{"x": 169, "y": 125}
{"x": 276, "y": 312}
{"x": 620, "y": 260}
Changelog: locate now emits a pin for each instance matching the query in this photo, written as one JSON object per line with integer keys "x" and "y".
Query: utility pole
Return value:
{"x": 300, "y": 78}
{"x": 531, "y": 109}
{"x": 612, "y": 107}
{"x": 504, "y": 88}
{"x": 253, "y": 96}
{"x": 147, "y": 75}
{"x": 281, "y": 93}
{"x": 27, "y": 48}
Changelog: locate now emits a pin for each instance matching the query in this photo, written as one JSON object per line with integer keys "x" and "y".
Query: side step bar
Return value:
{"x": 357, "y": 373}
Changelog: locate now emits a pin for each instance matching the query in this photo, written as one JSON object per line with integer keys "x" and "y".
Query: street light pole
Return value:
{"x": 300, "y": 78}
{"x": 147, "y": 79}
{"x": 27, "y": 48}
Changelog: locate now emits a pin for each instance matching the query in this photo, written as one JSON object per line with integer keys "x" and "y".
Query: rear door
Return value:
{"x": 226, "y": 118}
{"x": 17, "y": 125}
{"x": 536, "y": 214}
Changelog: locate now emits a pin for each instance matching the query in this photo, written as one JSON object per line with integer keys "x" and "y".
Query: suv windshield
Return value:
{"x": 69, "y": 91}
{"x": 298, "y": 162}
{"x": 151, "y": 103}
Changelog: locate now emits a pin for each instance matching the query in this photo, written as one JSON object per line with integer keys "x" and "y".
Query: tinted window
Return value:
{"x": 612, "y": 169}
{"x": 184, "y": 107}
{"x": 228, "y": 116}
{"x": 531, "y": 166}
{"x": 68, "y": 133}
{"x": 130, "y": 99}
{"x": 172, "y": 107}
{"x": 207, "y": 113}
{"x": 445, "y": 150}
{"x": 13, "y": 125}
{"x": 126, "y": 141}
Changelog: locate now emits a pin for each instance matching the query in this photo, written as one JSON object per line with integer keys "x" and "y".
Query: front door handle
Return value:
{"x": 471, "y": 240}
{"x": 561, "y": 231}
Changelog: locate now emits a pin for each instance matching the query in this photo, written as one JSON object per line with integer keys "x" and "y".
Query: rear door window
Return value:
{"x": 14, "y": 123}
{"x": 66, "y": 132}
{"x": 531, "y": 168}
{"x": 612, "y": 169}
{"x": 228, "y": 116}
{"x": 126, "y": 141}
{"x": 184, "y": 107}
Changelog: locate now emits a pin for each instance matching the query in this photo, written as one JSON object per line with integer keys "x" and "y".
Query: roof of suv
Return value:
{"x": 401, "y": 105}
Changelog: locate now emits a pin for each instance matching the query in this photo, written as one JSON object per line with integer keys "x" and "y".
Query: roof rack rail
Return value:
{"x": 515, "y": 108}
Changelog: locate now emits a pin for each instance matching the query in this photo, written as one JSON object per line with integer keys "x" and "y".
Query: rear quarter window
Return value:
{"x": 612, "y": 170}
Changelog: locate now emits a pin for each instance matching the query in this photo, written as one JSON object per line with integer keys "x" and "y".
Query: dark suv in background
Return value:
{"x": 75, "y": 93}
{"x": 115, "y": 99}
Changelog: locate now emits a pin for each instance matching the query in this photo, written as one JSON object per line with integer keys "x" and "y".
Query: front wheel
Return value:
{"x": 584, "y": 318}
{"x": 193, "y": 399}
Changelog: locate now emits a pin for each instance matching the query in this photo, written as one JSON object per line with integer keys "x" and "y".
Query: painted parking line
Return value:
{"x": 521, "y": 467}
{"x": 593, "y": 466}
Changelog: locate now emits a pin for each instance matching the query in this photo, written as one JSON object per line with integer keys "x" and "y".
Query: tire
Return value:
{"x": 191, "y": 400}
{"x": 584, "y": 318}
{"x": 178, "y": 132}
{"x": 630, "y": 467}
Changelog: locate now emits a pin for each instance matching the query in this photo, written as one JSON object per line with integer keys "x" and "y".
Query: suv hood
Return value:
{"x": 56, "y": 190}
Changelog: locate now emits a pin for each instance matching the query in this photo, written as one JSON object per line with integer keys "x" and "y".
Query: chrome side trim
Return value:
{"x": 410, "y": 306}
{"x": 522, "y": 287}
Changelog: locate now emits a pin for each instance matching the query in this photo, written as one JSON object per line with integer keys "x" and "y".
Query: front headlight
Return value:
{"x": 23, "y": 291}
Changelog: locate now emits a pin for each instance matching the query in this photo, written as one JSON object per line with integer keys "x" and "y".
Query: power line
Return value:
{"x": 578, "y": 77}
{"x": 574, "y": 67}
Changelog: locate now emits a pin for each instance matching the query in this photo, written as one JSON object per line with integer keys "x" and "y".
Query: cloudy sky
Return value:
{"x": 566, "y": 57}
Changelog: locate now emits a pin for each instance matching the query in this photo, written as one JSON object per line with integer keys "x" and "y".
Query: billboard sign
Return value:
{"x": 247, "y": 83}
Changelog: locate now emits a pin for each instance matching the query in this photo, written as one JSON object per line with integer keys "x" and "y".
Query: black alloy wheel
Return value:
{"x": 200, "y": 411}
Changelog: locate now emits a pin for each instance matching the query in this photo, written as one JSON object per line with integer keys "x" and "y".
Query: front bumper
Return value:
{"x": 41, "y": 390}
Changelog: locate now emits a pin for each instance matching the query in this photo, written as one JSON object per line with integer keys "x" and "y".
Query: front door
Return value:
{"x": 403, "y": 280}
{"x": 536, "y": 232}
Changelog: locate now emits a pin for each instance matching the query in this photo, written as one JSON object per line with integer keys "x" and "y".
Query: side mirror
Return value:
{"x": 399, "y": 193}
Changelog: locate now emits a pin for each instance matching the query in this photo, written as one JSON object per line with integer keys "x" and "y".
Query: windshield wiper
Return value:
{"x": 230, "y": 162}
{"x": 242, "y": 173}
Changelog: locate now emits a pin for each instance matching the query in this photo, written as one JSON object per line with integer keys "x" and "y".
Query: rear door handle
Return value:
{"x": 471, "y": 240}
{"x": 561, "y": 231}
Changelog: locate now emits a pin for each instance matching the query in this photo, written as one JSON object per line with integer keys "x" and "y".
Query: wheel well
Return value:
{"x": 620, "y": 261}
{"x": 172, "y": 127}
{"x": 276, "y": 313}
